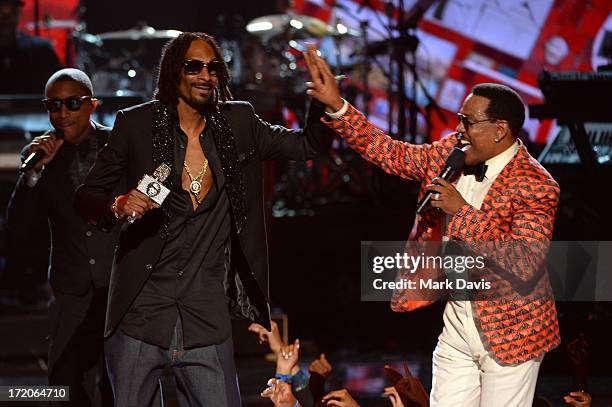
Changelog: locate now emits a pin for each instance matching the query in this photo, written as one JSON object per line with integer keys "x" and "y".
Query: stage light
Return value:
{"x": 298, "y": 25}
{"x": 262, "y": 26}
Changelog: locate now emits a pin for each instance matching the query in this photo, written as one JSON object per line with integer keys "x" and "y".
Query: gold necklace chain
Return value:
{"x": 195, "y": 187}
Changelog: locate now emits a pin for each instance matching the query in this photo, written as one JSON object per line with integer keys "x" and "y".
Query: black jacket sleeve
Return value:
{"x": 26, "y": 209}
{"x": 27, "y": 225}
{"x": 94, "y": 198}
{"x": 277, "y": 142}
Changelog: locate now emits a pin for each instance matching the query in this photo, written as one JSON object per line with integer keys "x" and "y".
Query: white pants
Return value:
{"x": 465, "y": 375}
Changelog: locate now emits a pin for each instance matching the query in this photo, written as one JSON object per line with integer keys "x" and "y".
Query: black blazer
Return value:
{"x": 130, "y": 151}
{"x": 75, "y": 245}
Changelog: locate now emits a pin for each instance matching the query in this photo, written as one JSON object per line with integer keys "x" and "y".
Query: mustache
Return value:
{"x": 203, "y": 83}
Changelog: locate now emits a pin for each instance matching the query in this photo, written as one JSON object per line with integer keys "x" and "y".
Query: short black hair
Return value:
{"x": 171, "y": 67}
{"x": 504, "y": 104}
{"x": 74, "y": 75}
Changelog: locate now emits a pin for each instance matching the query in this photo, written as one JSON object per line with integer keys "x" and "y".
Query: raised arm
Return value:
{"x": 394, "y": 157}
{"x": 277, "y": 142}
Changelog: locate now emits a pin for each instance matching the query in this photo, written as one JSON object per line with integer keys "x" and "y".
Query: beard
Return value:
{"x": 202, "y": 102}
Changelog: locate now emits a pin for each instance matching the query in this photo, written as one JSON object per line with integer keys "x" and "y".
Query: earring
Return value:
{"x": 497, "y": 140}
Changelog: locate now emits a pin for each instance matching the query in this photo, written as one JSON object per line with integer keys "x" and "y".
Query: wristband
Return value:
{"x": 299, "y": 381}
{"x": 287, "y": 378}
{"x": 338, "y": 114}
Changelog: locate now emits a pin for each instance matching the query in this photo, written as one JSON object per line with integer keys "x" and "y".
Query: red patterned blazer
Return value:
{"x": 520, "y": 206}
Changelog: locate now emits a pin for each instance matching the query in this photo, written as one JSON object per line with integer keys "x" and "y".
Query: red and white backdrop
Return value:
{"x": 57, "y": 19}
{"x": 464, "y": 42}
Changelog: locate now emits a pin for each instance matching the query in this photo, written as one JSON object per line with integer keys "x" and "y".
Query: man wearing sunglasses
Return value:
{"x": 183, "y": 270}
{"x": 81, "y": 255}
{"x": 489, "y": 352}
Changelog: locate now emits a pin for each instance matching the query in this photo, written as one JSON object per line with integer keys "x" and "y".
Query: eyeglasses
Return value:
{"x": 467, "y": 123}
{"x": 195, "y": 66}
{"x": 72, "y": 103}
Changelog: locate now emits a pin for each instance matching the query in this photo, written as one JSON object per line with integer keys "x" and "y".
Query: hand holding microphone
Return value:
{"x": 132, "y": 205}
{"x": 42, "y": 150}
{"x": 441, "y": 193}
{"x": 149, "y": 194}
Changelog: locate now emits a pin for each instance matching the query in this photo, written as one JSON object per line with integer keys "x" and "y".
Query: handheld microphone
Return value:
{"x": 454, "y": 163}
{"x": 37, "y": 155}
{"x": 152, "y": 186}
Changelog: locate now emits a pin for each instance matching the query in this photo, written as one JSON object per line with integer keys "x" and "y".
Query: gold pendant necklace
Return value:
{"x": 195, "y": 187}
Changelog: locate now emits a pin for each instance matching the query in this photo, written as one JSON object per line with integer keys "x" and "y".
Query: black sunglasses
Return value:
{"x": 195, "y": 66}
{"x": 467, "y": 123}
{"x": 72, "y": 103}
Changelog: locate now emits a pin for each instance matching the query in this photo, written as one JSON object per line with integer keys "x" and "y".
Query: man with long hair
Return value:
{"x": 183, "y": 269}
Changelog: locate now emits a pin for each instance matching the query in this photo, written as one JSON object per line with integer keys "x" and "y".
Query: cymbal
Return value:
{"x": 52, "y": 23}
{"x": 296, "y": 26}
{"x": 140, "y": 33}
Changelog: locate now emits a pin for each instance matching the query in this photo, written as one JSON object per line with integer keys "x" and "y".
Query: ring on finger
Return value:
{"x": 436, "y": 196}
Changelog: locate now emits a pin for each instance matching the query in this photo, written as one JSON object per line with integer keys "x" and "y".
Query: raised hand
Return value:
{"x": 288, "y": 358}
{"x": 394, "y": 396}
{"x": 323, "y": 85}
{"x": 273, "y": 338}
{"x": 339, "y": 398}
{"x": 321, "y": 366}
{"x": 410, "y": 390}
{"x": 279, "y": 393}
{"x": 578, "y": 399}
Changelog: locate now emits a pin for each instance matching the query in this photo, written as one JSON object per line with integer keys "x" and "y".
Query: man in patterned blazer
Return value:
{"x": 489, "y": 352}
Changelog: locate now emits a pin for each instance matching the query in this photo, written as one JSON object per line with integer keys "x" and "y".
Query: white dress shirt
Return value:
{"x": 474, "y": 192}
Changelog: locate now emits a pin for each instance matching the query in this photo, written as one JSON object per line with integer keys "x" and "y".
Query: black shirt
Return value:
{"x": 187, "y": 281}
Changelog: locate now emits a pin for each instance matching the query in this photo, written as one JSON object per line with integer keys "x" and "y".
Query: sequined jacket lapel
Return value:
{"x": 163, "y": 152}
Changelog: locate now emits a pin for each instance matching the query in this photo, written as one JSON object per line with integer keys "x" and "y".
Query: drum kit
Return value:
{"x": 120, "y": 63}
{"x": 268, "y": 57}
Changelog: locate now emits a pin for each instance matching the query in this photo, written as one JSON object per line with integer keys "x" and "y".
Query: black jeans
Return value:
{"x": 205, "y": 376}
{"x": 76, "y": 344}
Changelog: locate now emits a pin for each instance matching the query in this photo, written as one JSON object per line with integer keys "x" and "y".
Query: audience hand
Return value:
{"x": 321, "y": 366}
{"x": 578, "y": 399}
{"x": 410, "y": 389}
{"x": 339, "y": 398}
{"x": 279, "y": 393}
{"x": 394, "y": 396}
{"x": 288, "y": 358}
{"x": 273, "y": 338}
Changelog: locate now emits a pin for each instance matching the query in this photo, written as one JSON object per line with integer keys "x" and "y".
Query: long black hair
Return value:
{"x": 171, "y": 66}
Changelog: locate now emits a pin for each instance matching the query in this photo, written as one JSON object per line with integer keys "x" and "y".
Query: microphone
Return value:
{"x": 37, "y": 155}
{"x": 454, "y": 163}
{"x": 151, "y": 185}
